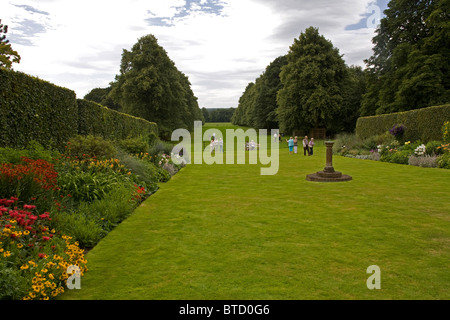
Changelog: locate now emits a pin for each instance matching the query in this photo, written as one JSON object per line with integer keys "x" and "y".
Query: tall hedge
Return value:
{"x": 98, "y": 120}
{"x": 421, "y": 124}
{"x": 33, "y": 109}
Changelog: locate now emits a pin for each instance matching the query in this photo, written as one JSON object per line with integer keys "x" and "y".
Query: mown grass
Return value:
{"x": 226, "y": 232}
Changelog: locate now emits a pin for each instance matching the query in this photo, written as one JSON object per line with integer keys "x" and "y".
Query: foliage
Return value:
{"x": 135, "y": 145}
{"x": 218, "y": 115}
{"x": 258, "y": 104}
{"x": 7, "y": 55}
{"x": 425, "y": 161}
{"x": 434, "y": 148}
{"x": 33, "y": 181}
{"x": 409, "y": 67}
{"x": 36, "y": 256}
{"x": 33, "y": 109}
{"x": 423, "y": 124}
{"x": 90, "y": 146}
{"x": 444, "y": 161}
{"x": 312, "y": 83}
{"x": 95, "y": 119}
{"x": 151, "y": 87}
{"x": 446, "y": 131}
{"x": 101, "y": 96}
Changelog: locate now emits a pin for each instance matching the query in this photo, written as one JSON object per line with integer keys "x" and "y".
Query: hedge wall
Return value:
{"x": 34, "y": 109}
{"x": 421, "y": 124}
{"x": 31, "y": 108}
{"x": 98, "y": 120}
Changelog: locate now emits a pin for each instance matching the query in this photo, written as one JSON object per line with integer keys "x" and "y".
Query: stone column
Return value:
{"x": 329, "y": 159}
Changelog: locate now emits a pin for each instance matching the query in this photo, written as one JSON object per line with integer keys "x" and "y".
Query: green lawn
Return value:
{"x": 226, "y": 232}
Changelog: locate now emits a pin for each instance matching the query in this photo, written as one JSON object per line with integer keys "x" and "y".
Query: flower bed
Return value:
{"x": 53, "y": 210}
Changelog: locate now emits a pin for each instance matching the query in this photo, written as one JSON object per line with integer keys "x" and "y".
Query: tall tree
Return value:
{"x": 7, "y": 55}
{"x": 409, "y": 68}
{"x": 151, "y": 87}
{"x": 265, "y": 116}
{"x": 312, "y": 83}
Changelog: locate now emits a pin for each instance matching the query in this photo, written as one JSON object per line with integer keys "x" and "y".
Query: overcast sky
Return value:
{"x": 221, "y": 45}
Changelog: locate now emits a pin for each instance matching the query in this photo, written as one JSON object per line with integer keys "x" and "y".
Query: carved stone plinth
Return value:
{"x": 328, "y": 174}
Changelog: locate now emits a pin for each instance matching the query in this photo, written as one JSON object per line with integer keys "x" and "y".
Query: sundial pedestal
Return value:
{"x": 328, "y": 174}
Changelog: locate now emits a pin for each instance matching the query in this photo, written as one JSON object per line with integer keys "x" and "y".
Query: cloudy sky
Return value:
{"x": 221, "y": 45}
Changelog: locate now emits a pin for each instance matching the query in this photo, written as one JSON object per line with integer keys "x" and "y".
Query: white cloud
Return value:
{"x": 78, "y": 43}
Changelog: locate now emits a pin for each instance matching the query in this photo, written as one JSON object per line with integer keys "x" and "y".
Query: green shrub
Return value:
{"x": 444, "y": 161}
{"x": 79, "y": 225}
{"x": 434, "y": 148}
{"x": 422, "y": 124}
{"x": 33, "y": 151}
{"x": 135, "y": 145}
{"x": 161, "y": 147}
{"x": 90, "y": 146}
{"x": 13, "y": 285}
{"x": 400, "y": 157}
{"x": 86, "y": 186}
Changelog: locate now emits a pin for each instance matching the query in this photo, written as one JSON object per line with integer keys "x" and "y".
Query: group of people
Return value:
{"x": 252, "y": 145}
{"x": 308, "y": 145}
{"x": 216, "y": 145}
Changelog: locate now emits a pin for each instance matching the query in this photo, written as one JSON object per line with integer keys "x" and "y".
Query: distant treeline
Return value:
{"x": 218, "y": 115}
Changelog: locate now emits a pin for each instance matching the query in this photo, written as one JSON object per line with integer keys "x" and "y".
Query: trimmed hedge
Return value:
{"x": 34, "y": 109}
{"x": 421, "y": 124}
{"x": 97, "y": 120}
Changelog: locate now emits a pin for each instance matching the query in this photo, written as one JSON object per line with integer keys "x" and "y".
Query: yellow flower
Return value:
{"x": 24, "y": 267}
{"x": 6, "y": 254}
{"x": 19, "y": 245}
{"x": 26, "y": 232}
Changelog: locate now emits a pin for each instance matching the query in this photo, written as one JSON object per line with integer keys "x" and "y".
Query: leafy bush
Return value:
{"x": 87, "y": 186}
{"x": 444, "y": 161}
{"x": 90, "y": 146}
{"x": 34, "y": 151}
{"x": 400, "y": 157}
{"x": 135, "y": 145}
{"x": 434, "y": 148}
{"x": 160, "y": 147}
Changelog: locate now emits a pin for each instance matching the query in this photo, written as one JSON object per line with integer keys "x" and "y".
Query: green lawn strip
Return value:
{"x": 225, "y": 232}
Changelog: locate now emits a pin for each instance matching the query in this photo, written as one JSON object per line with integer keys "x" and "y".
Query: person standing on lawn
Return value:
{"x": 305, "y": 145}
{"x": 295, "y": 145}
{"x": 311, "y": 146}
{"x": 290, "y": 144}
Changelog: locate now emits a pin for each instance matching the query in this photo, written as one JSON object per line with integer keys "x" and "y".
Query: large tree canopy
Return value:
{"x": 258, "y": 104}
{"x": 312, "y": 83}
{"x": 151, "y": 87}
{"x": 409, "y": 68}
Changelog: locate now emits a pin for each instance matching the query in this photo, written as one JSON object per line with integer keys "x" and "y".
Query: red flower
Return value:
{"x": 42, "y": 255}
{"x": 45, "y": 238}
